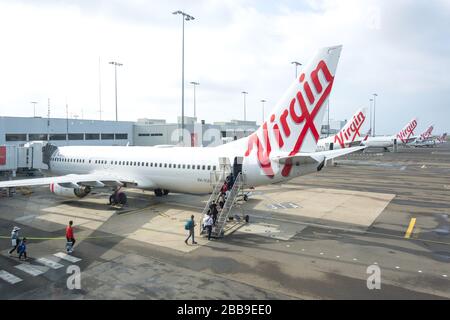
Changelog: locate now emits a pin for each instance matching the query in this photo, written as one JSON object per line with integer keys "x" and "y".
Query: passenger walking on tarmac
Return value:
{"x": 70, "y": 237}
{"x": 209, "y": 224}
{"x": 190, "y": 225}
{"x": 14, "y": 239}
{"x": 22, "y": 249}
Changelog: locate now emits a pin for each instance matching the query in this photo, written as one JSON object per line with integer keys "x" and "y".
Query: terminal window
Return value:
{"x": 37, "y": 137}
{"x": 57, "y": 137}
{"x": 107, "y": 136}
{"x": 144, "y": 134}
{"x": 156, "y": 134}
{"x": 76, "y": 136}
{"x": 121, "y": 136}
{"x": 16, "y": 137}
{"x": 92, "y": 136}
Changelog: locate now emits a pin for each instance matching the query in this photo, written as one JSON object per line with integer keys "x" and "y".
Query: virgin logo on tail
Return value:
{"x": 367, "y": 135}
{"x": 406, "y": 133}
{"x": 298, "y": 112}
{"x": 349, "y": 133}
{"x": 427, "y": 134}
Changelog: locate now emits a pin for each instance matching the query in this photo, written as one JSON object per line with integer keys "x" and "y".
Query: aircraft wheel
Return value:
{"x": 165, "y": 192}
{"x": 245, "y": 197}
{"x": 158, "y": 192}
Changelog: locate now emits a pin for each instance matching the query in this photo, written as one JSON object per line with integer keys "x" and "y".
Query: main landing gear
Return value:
{"x": 118, "y": 198}
{"x": 161, "y": 192}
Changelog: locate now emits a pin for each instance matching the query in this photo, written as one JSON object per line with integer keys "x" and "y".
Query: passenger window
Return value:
{"x": 209, "y": 168}
{"x": 203, "y": 167}
{"x": 170, "y": 165}
{"x": 160, "y": 165}
{"x": 198, "y": 167}
{"x": 165, "y": 165}
{"x": 184, "y": 166}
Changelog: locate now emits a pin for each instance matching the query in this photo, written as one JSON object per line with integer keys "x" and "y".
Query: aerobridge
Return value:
{"x": 28, "y": 157}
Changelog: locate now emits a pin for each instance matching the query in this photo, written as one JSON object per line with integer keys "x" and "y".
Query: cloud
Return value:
{"x": 398, "y": 49}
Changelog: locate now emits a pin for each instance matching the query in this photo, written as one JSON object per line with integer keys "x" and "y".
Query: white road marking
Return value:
{"x": 50, "y": 263}
{"x": 420, "y": 271}
{"x": 444, "y": 275}
{"x": 397, "y": 267}
{"x": 354, "y": 259}
{"x": 338, "y": 257}
{"x": 67, "y": 257}
{"x": 30, "y": 269}
{"x": 321, "y": 253}
{"x": 8, "y": 277}
{"x": 375, "y": 263}
{"x": 25, "y": 218}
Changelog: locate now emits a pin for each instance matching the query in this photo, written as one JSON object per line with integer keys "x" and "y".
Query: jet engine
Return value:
{"x": 80, "y": 192}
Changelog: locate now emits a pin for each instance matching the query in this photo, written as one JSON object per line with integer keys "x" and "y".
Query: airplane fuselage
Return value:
{"x": 178, "y": 169}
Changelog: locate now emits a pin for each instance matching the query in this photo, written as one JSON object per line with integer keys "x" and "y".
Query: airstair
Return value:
{"x": 218, "y": 228}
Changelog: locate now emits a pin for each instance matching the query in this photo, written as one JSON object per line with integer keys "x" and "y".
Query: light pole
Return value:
{"x": 34, "y": 108}
{"x": 328, "y": 104}
{"x": 374, "y": 111}
{"x": 296, "y": 63}
{"x": 263, "y": 101}
{"x": 185, "y": 17}
{"x": 195, "y": 84}
{"x": 245, "y": 107}
{"x": 116, "y": 64}
{"x": 370, "y": 114}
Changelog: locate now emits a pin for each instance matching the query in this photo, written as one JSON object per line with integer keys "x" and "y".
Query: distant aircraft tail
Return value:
{"x": 443, "y": 137}
{"x": 295, "y": 123}
{"x": 427, "y": 134}
{"x": 352, "y": 129}
{"x": 407, "y": 131}
{"x": 366, "y": 137}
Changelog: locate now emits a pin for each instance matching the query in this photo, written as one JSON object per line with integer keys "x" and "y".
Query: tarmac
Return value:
{"x": 316, "y": 237}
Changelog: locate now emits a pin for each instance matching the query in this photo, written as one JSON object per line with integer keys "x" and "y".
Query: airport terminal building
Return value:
{"x": 17, "y": 131}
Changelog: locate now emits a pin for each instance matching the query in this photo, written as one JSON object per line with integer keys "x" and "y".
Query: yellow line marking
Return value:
{"x": 410, "y": 228}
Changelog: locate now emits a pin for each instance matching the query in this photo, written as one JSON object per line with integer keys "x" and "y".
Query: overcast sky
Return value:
{"x": 51, "y": 49}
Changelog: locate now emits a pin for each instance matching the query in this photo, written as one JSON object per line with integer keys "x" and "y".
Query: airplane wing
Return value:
{"x": 100, "y": 179}
{"x": 320, "y": 157}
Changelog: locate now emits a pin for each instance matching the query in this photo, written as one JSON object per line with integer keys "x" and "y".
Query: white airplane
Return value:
{"x": 348, "y": 136}
{"x": 424, "y": 140}
{"x": 403, "y": 137}
{"x": 442, "y": 139}
{"x": 284, "y": 147}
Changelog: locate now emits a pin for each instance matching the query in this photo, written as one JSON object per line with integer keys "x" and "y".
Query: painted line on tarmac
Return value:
{"x": 64, "y": 238}
{"x": 67, "y": 257}
{"x": 412, "y": 223}
{"x": 362, "y": 232}
{"x": 30, "y": 269}
{"x": 8, "y": 277}
{"x": 50, "y": 263}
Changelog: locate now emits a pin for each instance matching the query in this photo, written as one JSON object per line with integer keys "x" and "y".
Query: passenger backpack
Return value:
{"x": 187, "y": 226}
